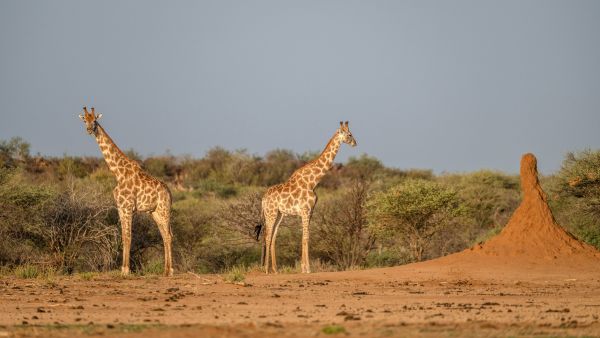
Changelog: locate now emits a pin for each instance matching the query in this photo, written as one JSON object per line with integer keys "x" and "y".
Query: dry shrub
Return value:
{"x": 77, "y": 229}
{"x": 341, "y": 233}
{"x": 242, "y": 215}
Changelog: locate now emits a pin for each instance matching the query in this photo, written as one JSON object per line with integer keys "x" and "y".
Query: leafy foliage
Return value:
{"x": 580, "y": 179}
{"x": 418, "y": 209}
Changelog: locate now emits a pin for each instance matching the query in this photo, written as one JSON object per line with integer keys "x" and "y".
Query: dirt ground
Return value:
{"x": 424, "y": 299}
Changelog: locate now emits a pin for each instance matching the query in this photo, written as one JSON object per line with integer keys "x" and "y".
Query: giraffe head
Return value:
{"x": 91, "y": 120}
{"x": 345, "y": 135}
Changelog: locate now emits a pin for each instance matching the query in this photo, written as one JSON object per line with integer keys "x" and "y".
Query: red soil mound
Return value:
{"x": 532, "y": 240}
{"x": 532, "y": 230}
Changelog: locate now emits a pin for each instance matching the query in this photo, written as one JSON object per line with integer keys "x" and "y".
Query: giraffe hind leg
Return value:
{"x": 278, "y": 218}
{"x": 162, "y": 216}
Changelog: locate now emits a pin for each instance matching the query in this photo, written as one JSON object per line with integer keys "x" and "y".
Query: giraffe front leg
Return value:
{"x": 305, "y": 263}
{"x": 126, "y": 217}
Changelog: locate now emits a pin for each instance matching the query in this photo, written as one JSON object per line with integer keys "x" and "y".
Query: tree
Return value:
{"x": 13, "y": 151}
{"x": 279, "y": 164}
{"x": 490, "y": 198}
{"x": 575, "y": 194}
{"x": 341, "y": 227}
{"x": 417, "y": 209}
{"x": 21, "y": 215}
{"x": 580, "y": 178}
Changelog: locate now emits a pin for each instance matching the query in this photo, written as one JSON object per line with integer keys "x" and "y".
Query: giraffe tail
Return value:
{"x": 257, "y": 230}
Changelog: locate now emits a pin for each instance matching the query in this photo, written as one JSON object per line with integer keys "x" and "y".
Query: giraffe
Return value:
{"x": 136, "y": 190}
{"x": 297, "y": 197}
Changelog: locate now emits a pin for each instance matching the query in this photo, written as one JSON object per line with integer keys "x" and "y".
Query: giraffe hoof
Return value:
{"x": 124, "y": 270}
{"x": 169, "y": 273}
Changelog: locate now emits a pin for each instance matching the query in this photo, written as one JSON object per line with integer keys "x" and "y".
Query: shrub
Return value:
{"x": 13, "y": 152}
{"x": 76, "y": 229}
{"x": 580, "y": 179}
{"x": 21, "y": 215}
{"x": 341, "y": 227}
{"x": 417, "y": 209}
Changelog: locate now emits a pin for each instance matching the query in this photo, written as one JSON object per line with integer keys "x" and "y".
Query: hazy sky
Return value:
{"x": 447, "y": 85}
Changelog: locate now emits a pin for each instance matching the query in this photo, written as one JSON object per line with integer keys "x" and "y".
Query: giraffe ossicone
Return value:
{"x": 297, "y": 197}
{"x": 136, "y": 190}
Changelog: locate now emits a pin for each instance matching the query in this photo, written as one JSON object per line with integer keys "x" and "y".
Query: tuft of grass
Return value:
{"x": 87, "y": 276}
{"x": 116, "y": 274}
{"x": 27, "y": 271}
{"x": 255, "y": 268}
{"x": 290, "y": 269}
{"x": 153, "y": 267}
{"x": 49, "y": 276}
{"x": 316, "y": 265}
{"x": 236, "y": 274}
{"x": 5, "y": 271}
{"x": 48, "y": 330}
{"x": 333, "y": 329}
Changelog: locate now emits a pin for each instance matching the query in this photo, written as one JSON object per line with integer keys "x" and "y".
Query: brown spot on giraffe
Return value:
{"x": 297, "y": 197}
{"x": 136, "y": 190}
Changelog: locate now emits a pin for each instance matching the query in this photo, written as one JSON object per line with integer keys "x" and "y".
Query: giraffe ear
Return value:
{"x": 82, "y": 117}
{"x": 98, "y": 117}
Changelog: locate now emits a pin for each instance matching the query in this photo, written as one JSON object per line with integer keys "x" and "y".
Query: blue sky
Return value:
{"x": 446, "y": 85}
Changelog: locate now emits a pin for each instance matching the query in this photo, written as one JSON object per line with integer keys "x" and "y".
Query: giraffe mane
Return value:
{"x": 119, "y": 151}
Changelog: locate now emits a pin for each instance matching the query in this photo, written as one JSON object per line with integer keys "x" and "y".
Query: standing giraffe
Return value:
{"x": 297, "y": 197}
{"x": 136, "y": 190}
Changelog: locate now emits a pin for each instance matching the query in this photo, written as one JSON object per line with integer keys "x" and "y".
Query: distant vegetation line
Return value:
{"x": 58, "y": 212}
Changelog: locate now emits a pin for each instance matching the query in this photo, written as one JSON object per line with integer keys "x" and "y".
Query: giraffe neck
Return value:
{"x": 113, "y": 156}
{"x": 325, "y": 160}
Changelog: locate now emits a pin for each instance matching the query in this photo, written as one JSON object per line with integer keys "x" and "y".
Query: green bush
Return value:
{"x": 387, "y": 257}
{"x": 580, "y": 179}
{"x": 416, "y": 210}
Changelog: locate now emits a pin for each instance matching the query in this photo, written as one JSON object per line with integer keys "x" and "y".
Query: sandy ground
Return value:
{"x": 426, "y": 299}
